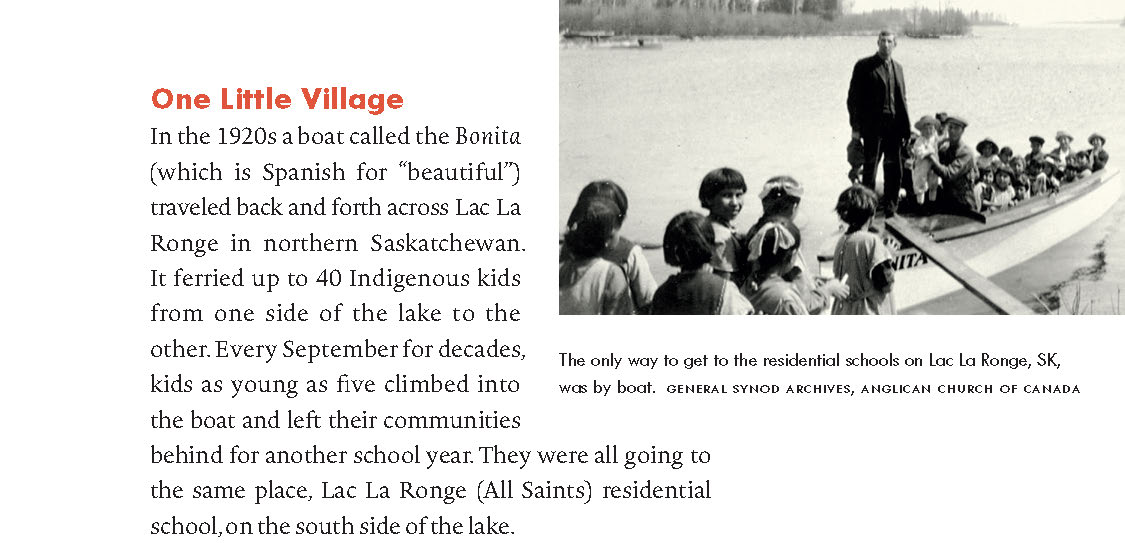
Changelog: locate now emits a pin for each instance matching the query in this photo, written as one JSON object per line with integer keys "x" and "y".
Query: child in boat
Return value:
{"x": 983, "y": 188}
{"x": 1020, "y": 180}
{"x": 942, "y": 135}
{"x": 720, "y": 193}
{"x": 1098, "y": 155}
{"x": 620, "y": 250}
{"x": 1048, "y": 179}
{"x": 1006, "y": 155}
{"x": 1036, "y": 150}
{"x": 1003, "y": 194}
{"x": 926, "y": 182}
{"x": 588, "y": 283}
{"x": 987, "y": 157}
{"x": 773, "y": 248}
{"x": 1077, "y": 166}
{"x": 1063, "y": 151}
{"x": 689, "y": 241}
{"x": 1038, "y": 180}
{"x": 861, "y": 260}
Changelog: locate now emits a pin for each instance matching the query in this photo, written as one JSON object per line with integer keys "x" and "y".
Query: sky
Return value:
{"x": 1019, "y": 11}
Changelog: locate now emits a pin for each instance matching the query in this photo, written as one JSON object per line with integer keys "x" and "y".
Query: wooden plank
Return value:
{"x": 996, "y": 298}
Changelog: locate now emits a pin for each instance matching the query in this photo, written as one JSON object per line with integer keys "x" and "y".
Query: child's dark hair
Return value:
{"x": 587, "y": 236}
{"x": 717, "y": 181}
{"x": 773, "y": 246}
{"x": 688, "y": 241}
{"x": 856, "y": 205}
{"x": 778, "y": 201}
{"x": 602, "y": 188}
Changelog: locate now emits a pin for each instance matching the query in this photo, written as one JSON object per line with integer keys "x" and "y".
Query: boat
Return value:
{"x": 990, "y": 243}
{"x": 638, "y": 43}
{"x": 592, "y": 35}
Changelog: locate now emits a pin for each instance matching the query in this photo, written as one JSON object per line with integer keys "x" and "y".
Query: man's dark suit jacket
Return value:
{"x": 867, "y": 94}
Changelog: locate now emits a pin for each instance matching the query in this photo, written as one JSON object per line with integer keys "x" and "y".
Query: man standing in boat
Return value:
{"x": 878, "y": 117}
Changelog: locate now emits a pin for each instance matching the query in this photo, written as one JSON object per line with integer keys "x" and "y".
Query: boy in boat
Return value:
{"x": 1098, "y": 155}
{"x": 689, "y": 241}
{"x": 773, "y": 248}
{"x": 861, "y": 259}
{"x": 588, "y": 283}
{"x": 1036, "y": 150}
{"x": 620, "y": 250}
{"x": 925, "y": 181}
{"x": 721, "y": 194}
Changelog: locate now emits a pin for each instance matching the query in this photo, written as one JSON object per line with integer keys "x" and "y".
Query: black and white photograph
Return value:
{"x": 841, "y": 157}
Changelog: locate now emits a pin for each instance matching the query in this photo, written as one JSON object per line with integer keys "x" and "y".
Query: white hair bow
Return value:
{"x": 782, "y": 239}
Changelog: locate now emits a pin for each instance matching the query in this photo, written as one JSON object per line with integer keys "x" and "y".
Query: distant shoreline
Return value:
{"x": 689, "y": 24}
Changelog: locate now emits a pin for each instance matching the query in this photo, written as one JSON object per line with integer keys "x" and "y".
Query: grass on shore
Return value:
{"x": 1070, "y": 300}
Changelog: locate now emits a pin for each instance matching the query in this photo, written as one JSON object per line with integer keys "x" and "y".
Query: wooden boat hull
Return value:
{"x": 1004, "y": 240}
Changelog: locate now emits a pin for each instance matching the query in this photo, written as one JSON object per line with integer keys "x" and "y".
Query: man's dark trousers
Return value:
{"x": 884, "y": 142}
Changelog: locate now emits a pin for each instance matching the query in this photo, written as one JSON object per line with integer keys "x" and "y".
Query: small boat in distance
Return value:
{"x": 592, "y": 35}
{"x": 606, "y": 39}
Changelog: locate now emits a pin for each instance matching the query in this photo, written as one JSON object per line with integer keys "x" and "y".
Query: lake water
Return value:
{"x": 656, "y": 121}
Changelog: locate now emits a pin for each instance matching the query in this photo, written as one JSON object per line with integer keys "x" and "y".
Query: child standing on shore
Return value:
{"x": 588, "y": 283}
{"x": 620, "y": 250}
{"x": 862, "y": 258}
{"x": 773, "y": 248}
{"x": 721, "y": 193}
{"x": 689, "y": 241}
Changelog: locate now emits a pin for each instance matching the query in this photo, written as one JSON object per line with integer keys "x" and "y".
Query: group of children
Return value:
{"x": 722, "y": 271}
{"x": 1001, "y": 178}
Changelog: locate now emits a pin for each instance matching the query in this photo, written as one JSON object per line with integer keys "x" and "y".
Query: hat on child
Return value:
{"x": 1005, "y": 169}
{"x": 1037, "y": 139}
{"x": 782, "y": 185}
{"x": 1063, "y": 134}
{"x": 926, "y": 119}
{"x": 987, "y": 141}
{"x": 1094, "y": 136}
{"x": 954, "y": 119}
